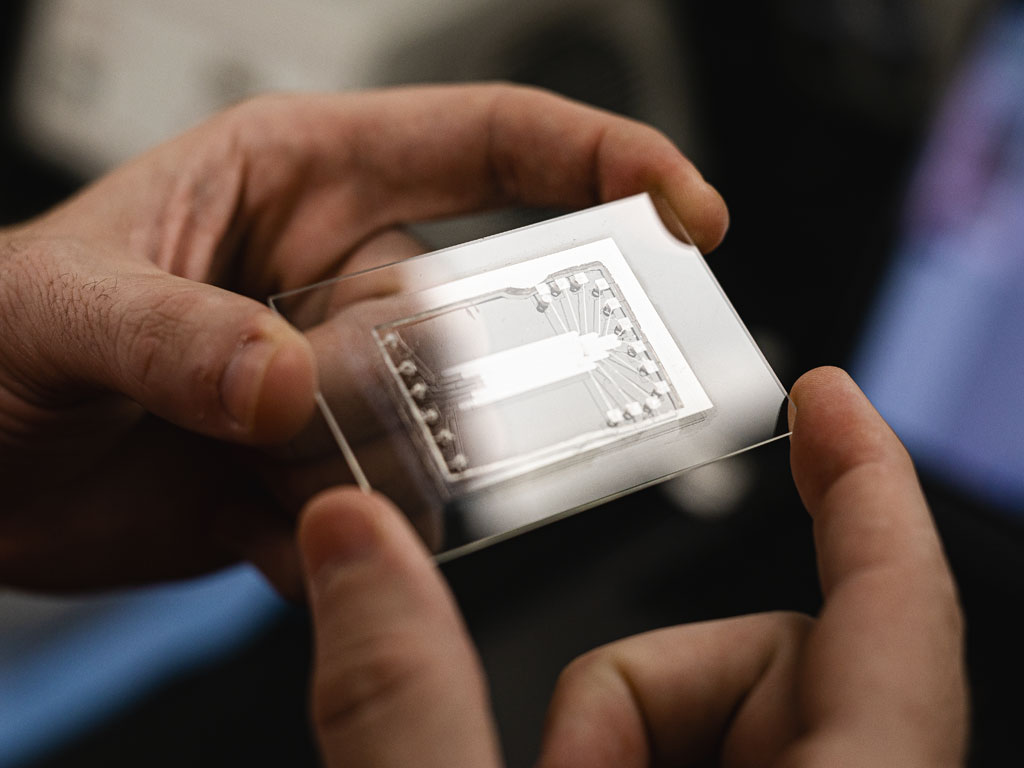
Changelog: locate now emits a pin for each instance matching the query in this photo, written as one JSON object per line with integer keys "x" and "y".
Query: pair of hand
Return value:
{"x": 136, "y": 377}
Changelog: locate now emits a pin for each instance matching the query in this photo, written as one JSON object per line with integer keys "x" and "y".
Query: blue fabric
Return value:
{"x": 119, "y": 647}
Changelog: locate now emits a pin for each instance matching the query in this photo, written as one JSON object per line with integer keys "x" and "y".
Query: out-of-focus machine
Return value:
{"x": 101, "y": 80}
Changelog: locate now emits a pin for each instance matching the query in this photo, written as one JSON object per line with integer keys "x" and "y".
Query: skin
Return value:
{"x": 875, "y": 679}
{"x": 138, "y": 362}
{"x": 138, "y": 372}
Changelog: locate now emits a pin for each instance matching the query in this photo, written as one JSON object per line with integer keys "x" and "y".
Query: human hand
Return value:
{"x": 131, "y": 350}
{"x": 876, "y": 679}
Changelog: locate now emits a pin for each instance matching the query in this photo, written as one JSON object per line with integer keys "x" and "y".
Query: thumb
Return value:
{"x": 202, "y": 357}
{"x": 396, "y": 680}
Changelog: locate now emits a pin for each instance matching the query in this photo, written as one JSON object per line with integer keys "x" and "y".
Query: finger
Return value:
{"x": 333, "y": 169}
{"x": 308, "y": 308}
{"x": 204, "y": 358}
{"x": 859, "y": 485}
{"x": 506, "y": 144}
{"x": 383, "y": 248}
{"x": 410, "y": 489}
{"x": 396, "y": 680}
{"x": 718, "y": 691}
{"x": 887, "y": 654}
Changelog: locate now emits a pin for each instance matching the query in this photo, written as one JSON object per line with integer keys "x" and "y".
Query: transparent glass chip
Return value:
{"x": 492, "y": 386}
{"x": 546, "y": 360}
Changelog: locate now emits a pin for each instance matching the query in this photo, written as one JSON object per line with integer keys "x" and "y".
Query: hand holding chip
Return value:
{"x": 876, "y": 679}
{"x": 124, "y": 371}
{"x": 132, "y": 391}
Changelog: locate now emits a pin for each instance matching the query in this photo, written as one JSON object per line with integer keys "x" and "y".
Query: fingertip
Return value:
{"x": 337, "y": 526}
{"x": 714, "y": 220}
{"x": 835, "y": 429}
{"x": 825, "y": 402}
{"x": 388, "y": 639}
{"x": 826, "y": 381}
{"x": 699, "y": 209}
{"x": 819, "y": 386}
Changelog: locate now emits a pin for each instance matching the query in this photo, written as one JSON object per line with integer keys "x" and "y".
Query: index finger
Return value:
{"x": 885, "y": 661}
{"x": 488, "y": 145}
{"x": 373, "y": 159}
{"x": 859, "y": 484}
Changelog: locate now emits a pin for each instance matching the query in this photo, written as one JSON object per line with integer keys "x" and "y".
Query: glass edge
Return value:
{"x": 466, "y": 549}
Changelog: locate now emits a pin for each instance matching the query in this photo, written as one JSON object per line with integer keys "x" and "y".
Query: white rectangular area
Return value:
{"x": 537, "y": 363}
{"x": 605, "y": 251}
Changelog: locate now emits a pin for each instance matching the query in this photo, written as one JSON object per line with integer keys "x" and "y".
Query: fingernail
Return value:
{"x": 791, "y": 414}
{"x": 243, "y": 377}
{"x": 669, "y": 218}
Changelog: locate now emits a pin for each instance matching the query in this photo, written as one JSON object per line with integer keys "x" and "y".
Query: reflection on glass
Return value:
{"x": 488, "y": 387}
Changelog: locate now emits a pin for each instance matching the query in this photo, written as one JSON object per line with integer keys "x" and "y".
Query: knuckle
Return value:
{"x": 256, "y": 104}
{"x": 255, "y": 122}
{"x": 791, "y": 622}
{"x": 584, "y": 668}
{"x": 789, "y": 632}
{"x": 507, "y": 88}
{"x": 788, "y": 628}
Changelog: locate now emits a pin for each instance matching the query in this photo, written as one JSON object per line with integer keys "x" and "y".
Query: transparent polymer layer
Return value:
{"x": 504, "y": 382}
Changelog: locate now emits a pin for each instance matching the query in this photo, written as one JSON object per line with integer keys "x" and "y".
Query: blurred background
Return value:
{"x": 872, "y": 155}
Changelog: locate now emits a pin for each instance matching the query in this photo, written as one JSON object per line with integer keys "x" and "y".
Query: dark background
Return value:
{"x": 811, "y": 133}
